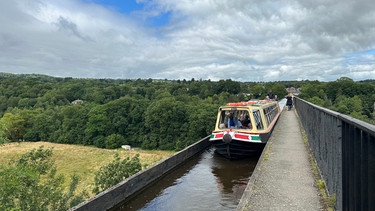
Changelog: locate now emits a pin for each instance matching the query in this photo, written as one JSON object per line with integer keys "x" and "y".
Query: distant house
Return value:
{"x": 293, "y": 90}
{"x": 77, "y": 102}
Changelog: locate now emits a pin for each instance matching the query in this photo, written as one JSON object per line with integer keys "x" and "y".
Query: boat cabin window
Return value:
{"x": 236, "y": 119}
{"x": 270, "y": 113}
{"x": 258, "y": 120}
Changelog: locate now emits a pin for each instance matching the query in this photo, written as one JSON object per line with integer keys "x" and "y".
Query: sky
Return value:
{"x": 241, "y": 40}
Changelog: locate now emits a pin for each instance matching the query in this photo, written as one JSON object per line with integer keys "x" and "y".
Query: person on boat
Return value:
{"x": 232, "y": 123}
{"x": 245, "y": 121}
{"x": 289, "y": 101}
{"x": 270, "y": 95}
{"x": 276, "y": 98}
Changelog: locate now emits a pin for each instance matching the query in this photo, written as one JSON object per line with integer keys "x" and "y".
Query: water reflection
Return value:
{"x": 206, "y": 182}
{"x": 232, "y": 176}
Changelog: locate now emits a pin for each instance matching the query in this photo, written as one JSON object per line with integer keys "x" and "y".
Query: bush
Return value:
{"x": 114, "y": 141}
{"x": 115, "y": 172}
{"x": 99, "y": 141}
{"x": 31, "y": 183}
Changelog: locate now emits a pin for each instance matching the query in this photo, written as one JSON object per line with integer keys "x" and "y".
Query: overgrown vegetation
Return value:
{"x": 115, "y": 172}
{"x": 31, "y": 183}
{"x": 31, "y": 180}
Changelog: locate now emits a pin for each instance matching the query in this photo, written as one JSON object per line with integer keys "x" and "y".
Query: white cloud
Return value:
{"x": 242, "y": 40}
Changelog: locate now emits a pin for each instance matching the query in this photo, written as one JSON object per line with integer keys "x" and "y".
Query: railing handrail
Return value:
{"x": 344, "y": 149}
{"x": 369, "y": 128}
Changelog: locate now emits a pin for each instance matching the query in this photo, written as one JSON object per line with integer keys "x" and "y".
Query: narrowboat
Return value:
{"x": 242, "y": 128}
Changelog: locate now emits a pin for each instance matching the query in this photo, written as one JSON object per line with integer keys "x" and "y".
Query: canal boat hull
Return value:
{"x": 237, "y": 149}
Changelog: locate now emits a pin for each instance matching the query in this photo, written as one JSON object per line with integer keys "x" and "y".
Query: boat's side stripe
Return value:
{"x": 255, "y": 138}
{"x": 241, "y": 136}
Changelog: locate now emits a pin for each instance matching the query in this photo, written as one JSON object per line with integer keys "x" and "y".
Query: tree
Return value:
{"x": 45, "y": 124}
{"x": 127, "y": 116}
{"x": 348, "y": 105}
{"x": 13, "y": 126}
{"x": 3, "y": 104}
{"x": 13, "y": 101}
{"x": 201, "y": 123}
{"x": 3, "y": 139}
{"x": 311, "y": 89}
{"x": 166, "y": 119}
{"x": 98, "y": 124}
{"x": 256, "y": 91}
{"x": 317, "y": 101}
{"x": 115, "y": 172}
{"x": 229, "y": 86}
{"x": 74, "y": 119}
{"x": 279, "y": 90}
{"x": 114, "y": 141}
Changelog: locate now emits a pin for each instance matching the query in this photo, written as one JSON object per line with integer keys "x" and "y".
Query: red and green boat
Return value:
{"x": 243, "y": 128}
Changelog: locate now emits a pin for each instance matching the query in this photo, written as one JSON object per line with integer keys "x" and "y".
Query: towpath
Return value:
{"x": 283, "y": 178}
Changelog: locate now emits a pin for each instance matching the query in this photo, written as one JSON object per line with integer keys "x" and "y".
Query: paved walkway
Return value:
{"x": 283, "y": 178}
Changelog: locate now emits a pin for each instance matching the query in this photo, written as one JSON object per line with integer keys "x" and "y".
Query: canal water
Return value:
{"x": 205, "y": 182}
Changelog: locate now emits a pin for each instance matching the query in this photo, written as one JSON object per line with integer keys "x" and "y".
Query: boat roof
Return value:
{"x": 255, "y": 103}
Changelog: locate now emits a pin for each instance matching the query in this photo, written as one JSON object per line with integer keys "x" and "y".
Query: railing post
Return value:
{"x": 371, "y": 172}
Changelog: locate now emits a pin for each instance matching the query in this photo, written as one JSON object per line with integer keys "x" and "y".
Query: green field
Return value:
{"x": 80, "y": 160}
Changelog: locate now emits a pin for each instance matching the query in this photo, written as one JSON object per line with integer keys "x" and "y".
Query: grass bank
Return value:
{"x": 80, "y": 160}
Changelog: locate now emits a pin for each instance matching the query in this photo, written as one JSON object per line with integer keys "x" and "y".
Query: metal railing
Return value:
{"x": 344, "y": 150}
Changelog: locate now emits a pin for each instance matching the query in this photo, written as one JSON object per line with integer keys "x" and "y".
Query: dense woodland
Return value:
{"x": 356, "y": 99}
{"x": 146, "y": 113}
{"x": 152, "y": 114}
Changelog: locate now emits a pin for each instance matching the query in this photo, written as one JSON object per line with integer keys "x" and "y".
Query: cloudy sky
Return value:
{"x": 242, "y": 40}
